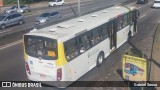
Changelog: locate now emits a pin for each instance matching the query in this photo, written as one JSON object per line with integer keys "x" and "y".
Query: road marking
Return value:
{"x": 143, "y": 16}
{"x": 6, "y": 30}
{"x": 10, "y": 44}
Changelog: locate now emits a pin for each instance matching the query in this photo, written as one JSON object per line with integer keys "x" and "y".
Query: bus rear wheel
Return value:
{"x": 100, "y": 59}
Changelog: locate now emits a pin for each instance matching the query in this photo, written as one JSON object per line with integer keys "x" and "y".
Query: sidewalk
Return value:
{"x": 43, "y": 4}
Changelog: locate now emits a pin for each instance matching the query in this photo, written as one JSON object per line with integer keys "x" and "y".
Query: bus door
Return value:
{"x": 112, "y": 28}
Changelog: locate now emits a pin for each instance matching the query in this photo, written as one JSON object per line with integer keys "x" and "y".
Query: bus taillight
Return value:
{"x": 59, "y": 74}
{"x": 27, "y": 68}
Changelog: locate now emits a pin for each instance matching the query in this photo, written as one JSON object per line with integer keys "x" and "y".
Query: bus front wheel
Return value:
{"x": 100, "y": 59}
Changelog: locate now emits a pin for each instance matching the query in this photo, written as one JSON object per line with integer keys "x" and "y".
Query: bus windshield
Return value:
{"x": 41, "y": 47}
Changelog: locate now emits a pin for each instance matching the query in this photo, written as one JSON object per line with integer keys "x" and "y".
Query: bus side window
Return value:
{"x": 87, "y": 40}
{"x": 89, "y": 45}
{"x": 100, "y": 33}
{"x": 71, "y": 50}
{"x": 99, "y": 37}
{"x": 125, "y": 21}
{"x": 82, "y": 49}
{"x": 119, "y": 22}
{"x": 84, "y": 40}
{"x": 95, "y": 36}
{"x": 129, "y": 17}
{"x": 66, "y": 48}
{"x": 104, "y": 32}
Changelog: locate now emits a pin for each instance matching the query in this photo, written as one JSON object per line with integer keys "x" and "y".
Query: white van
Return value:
{"x": 56, "y": 2}
{"x": 156, "y": 4}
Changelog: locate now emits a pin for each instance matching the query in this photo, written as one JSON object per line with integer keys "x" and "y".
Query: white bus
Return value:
{"x": 68, "y": 50}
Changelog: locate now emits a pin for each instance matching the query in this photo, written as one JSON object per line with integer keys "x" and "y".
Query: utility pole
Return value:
{"x": 18, "y": 4}
{"x": 79, "y": 9}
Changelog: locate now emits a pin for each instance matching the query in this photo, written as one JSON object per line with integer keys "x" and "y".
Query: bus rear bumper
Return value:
{"x": 58, "y": 84}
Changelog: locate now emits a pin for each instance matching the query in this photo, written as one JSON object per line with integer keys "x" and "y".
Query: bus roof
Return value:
{"x": 68, "y": 29}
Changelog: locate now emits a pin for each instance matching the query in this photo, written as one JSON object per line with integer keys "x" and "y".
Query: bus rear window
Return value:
{"x": 37, "y": 46}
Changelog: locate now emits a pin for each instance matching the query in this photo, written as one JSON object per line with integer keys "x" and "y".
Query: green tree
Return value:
{"x": 27, "y": 1}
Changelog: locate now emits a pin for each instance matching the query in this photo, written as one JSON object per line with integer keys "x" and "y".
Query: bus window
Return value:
{"x": 32, "y": 48}
{"x": 71, "y": 50}
{"x": 129, "y": 17}
{"x": 84, "y": 40}
{"x": 41, "y": 47}
{"x": 49, "y": 48}
{"x": 125, "y": 20}
{"x": 104, "y": 31}
{"x": 95, "y": 36}
{"x": 119, "y": 23}
{"x": 82, "y": 49}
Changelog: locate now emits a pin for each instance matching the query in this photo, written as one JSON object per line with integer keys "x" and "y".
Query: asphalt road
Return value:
{"x": 12, "y": 61}
{"x": 67, "y": 11}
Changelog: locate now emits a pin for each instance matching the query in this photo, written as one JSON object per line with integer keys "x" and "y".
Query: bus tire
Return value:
{"x": 100, "y": 59}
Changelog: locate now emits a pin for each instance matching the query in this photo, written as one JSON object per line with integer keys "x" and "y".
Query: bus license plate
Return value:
{"x": 42, "y": 76}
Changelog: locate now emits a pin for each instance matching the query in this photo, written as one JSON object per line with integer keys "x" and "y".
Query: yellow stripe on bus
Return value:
{"x": 25, "y": 55}
{"x": 61, "y": 61}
